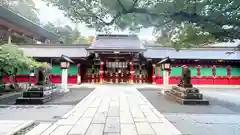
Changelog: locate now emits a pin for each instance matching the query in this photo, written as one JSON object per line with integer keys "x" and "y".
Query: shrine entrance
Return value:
{"x": 116, "y": 72}
{"x": 120, "y": 59}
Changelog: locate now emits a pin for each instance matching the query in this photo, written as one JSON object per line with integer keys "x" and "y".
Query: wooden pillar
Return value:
{"x": 229, "y": 70}
{"x": 101, "y": 72}
{"x": 159, "y": 72}
{"x": 214, "y": 71}
{"x": 79, "y": 74}
{"x": 131, "y": 72}
{"x": 93, "y": 74}
{"x": 153, "y": 76}
{"x": 140, "y": 74}
{"x": 198, "y": 70}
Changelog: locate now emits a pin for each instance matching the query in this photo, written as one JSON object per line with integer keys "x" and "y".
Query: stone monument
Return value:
{"x": 184, "y": 92}
{"x": 42, "y": 91}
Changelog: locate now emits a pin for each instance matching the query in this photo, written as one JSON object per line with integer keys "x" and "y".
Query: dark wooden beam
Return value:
{"x": 18, "y": 29}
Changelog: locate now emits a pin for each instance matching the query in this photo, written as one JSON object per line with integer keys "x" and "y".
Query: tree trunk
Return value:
{"x": 1, "y": 83}
{"x": 12, "y": 80}
{"x": 1, "y": 79}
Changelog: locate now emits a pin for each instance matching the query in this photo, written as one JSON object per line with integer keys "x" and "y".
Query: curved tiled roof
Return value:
{"x": 44, "y": 50}
{"x": 201, "y": 53}
{"x": 22, "y": 22}
{"x": 118, "y": 42}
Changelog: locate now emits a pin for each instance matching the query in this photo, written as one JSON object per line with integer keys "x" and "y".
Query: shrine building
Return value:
{"x": 123, "y": 59}
{"x": 119, "y": 58}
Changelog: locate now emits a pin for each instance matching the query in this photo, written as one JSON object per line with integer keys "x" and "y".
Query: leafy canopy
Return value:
{"x": 13, "y": 60}
{"x": 25, "y": 8}
{"x": 220, "y": 18}
{"x": 183, "y": 36}
{"x": 67, "y": 34}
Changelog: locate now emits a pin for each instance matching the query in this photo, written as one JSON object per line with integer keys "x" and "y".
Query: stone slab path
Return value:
{"x": 110, "y": 110}
{"x": 10, "y": 127}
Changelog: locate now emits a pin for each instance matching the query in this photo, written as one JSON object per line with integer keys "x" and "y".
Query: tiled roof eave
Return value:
{"x": 21, "y": 21}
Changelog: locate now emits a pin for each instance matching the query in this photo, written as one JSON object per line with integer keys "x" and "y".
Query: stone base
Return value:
{"x": 37, "y": 100}
{"x": 183, "y": 101}
{"x": 66, "y": 90}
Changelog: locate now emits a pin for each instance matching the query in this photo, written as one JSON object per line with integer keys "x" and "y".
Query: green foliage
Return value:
{"x": 13, "y": 60}
{"x": 220, "y": 18}
{"x": 25, "y": 8}
{"x": 67, "y": 34}
{"x": 183, "y": 36}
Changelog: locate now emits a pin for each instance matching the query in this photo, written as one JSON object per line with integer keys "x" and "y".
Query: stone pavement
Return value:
{"x": 111, "y": 110}
{"x": 227, "y": 95}
{"x": 9, "y": 127}
{"x": 143, "y": 85}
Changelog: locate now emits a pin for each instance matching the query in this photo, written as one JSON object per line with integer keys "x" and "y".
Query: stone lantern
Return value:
{"x": 165, "y": 65}
{"x": 65, "y": 64}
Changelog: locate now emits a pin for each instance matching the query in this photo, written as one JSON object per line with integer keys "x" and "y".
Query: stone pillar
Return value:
{"x": 65, "y": 80}
{"x": 9, "y": 34}
{"x": 79, "y": 74}
{"x": 165, "y": 77}
{"x": 101, "y": 72}
{"x": 131, "y": 72}
{"x": 153, "y": 75}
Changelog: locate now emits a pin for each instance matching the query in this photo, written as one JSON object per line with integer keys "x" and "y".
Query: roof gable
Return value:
{"x": 116, "y": 42}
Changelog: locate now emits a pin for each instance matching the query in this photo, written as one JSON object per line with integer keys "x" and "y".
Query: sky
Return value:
{"x": 52, "y": 14}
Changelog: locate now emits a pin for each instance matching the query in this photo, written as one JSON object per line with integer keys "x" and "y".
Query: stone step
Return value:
{"x": 38, "y": 100}
{"x": 29, "y": 94}
{"x": 186, "y": 95}
{"x": 186, "y": 90}
{"x": 186, "y": 101}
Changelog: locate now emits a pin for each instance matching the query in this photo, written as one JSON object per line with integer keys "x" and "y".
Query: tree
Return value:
{"x": 25, "y": 8}
{"x": 51, "y": 27}
{"x": 220, "y": 18}
{"x": 67, "y": 34}
{"x": 81, "y": 40}
{"x": 183, "y": 36}
{"x": 13, "y": 60}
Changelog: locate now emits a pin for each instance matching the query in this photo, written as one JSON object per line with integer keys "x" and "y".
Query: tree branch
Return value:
{"x": 122, "y": 6}
{"x": 134, "y": 3}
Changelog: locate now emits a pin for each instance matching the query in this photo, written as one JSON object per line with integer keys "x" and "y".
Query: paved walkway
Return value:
{"x": 9, "y": 127}
{"x": 111, "y": 110}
